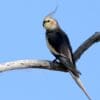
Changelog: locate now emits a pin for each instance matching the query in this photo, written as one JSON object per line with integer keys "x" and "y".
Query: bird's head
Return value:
{"x": 50, "y": 23}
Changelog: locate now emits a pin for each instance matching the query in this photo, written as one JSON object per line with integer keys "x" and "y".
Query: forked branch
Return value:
{"x": 44, "y": 64}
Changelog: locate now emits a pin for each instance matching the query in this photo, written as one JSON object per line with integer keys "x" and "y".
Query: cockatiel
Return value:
{"x": 59, "y": 45}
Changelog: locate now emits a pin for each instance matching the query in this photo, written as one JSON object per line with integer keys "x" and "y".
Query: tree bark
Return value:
{"x": 45, "y": 64}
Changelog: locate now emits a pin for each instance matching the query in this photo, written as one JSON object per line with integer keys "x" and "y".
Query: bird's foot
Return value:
{"x": 55, "y": 61}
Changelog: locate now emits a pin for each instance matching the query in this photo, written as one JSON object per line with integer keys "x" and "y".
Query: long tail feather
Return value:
{"x": 80, "y": 84}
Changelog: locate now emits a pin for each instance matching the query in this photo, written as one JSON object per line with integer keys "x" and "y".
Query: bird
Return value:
{"x": 60, "y": 46}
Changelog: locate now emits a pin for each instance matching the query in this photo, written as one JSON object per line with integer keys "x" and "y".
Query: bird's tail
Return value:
{"x": 80, "y": 84}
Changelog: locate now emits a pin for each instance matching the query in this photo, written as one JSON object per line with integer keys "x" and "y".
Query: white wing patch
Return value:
{"x": 69, "y": 55}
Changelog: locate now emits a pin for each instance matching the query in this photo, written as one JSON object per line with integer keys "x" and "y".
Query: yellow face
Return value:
{"x": 49, "y": 23}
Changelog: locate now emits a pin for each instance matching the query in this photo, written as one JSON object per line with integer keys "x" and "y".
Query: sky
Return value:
{"x": 23, "y": 37}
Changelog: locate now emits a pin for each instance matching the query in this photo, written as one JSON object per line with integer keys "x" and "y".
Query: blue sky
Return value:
{"x": 23, "y": 37}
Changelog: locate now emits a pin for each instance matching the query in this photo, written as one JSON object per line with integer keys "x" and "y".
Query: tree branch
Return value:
{"x": 83, "y": 47}
{"x": 24, "y": 64}
{"x": 44, "y": 64}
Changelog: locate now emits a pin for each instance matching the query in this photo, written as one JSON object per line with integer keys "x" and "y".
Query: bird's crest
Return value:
{"x": 52, "y": 13}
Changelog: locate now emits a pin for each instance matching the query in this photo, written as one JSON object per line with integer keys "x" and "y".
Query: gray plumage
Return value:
{"x": 59, "y": 45}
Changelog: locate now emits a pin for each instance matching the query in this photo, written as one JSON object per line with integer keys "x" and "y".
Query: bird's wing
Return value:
{"x": 59, "y": 45}
{"x": 65, "y": 48}
{"x": 67, "y": 59}
{"x": 65, "y": 51}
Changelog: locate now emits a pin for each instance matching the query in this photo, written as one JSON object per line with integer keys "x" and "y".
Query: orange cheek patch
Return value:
{"x": 52, "y": 23}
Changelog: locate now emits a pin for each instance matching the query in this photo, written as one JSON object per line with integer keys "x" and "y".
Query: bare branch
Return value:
{"x": 24, "y": 64}
{"x": 83, "y": 47}
{"x": 44, "y": 64}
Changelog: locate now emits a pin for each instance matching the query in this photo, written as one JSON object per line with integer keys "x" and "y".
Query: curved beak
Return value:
{"x": 44, "y": 23}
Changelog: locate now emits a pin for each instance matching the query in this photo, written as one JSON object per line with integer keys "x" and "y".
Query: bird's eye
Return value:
{"x": 48, "y": 20}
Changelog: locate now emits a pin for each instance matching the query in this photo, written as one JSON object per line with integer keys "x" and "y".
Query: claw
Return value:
{"x": 54, "y": 61}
